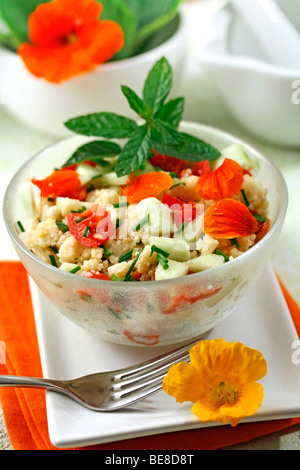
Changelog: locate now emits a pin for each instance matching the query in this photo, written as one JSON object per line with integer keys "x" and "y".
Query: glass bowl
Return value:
{"x": 153, "y": 313}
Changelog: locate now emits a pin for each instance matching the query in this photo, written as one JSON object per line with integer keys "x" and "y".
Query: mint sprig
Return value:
{"x": 158, "y": 132}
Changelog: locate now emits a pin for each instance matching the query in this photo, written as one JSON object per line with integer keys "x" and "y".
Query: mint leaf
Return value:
{"x": 158, "y": 84}
{"x": 135, "y": 153}
{"x": 108, "y": 125}
{"x": 166, "y": 134}
{"x": 171, "y": 112}
{"x": 136, "y": 103}
{"x": 185, "y": 147}
{"x": 94, "y": 151}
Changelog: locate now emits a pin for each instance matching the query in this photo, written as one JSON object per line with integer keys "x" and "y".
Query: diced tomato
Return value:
{"x": 246, "y": 172}
{"x": 202, "y": 168}
{"x": 92, "y": 227}
{"x": 61, "y": 183}
{"x": 182, "y": 212}
{"x": 166, "y": 163}
{"x": 136, "y": 276}
{"x": 96, "y": 275}
{"x": 151, "y": 339}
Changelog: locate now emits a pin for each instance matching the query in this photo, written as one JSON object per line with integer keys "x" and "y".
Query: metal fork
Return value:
{"x": 108, "y": 391}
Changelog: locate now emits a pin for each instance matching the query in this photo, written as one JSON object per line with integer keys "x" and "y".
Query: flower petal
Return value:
{"x": 236, "y": 361}
{"x": 182, "y": 382}
{"x": 229, "y": 219}
{"x": 144, "y": 186}
{"x": 224, "y": 182}
{"x": 246, "y": 405}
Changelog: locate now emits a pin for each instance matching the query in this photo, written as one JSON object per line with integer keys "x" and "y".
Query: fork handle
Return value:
{"x": 29, "y": 382}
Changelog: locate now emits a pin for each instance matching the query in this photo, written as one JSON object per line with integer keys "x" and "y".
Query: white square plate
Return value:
{"x": 262, "y": 321}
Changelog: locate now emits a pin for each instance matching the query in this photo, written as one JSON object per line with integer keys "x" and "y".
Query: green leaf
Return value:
{"x": 136, "y": 103}
{"x": 169, "y": 10}
{"x": 171, "y": 112}
{"x": 148, "y": 11}
{"x": 15, "y": 13}
{"x": 135, "y": 153}
{"x": 107, "y": 125}
{"x": 119, "y": 11}
{"x": 158, "y": 84}
{"x": 185, "y": 147}
{"x": 94, "y": 151}
{"x": 166, "y": 134}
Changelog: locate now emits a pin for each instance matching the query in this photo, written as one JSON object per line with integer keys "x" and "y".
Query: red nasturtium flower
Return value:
{"x": 230, "y": 219}
{"x": 67, "y": 39}
{"x": 61, "y": 183}
{"x": 224, "y": 182}
{"x": 147, "y": 185}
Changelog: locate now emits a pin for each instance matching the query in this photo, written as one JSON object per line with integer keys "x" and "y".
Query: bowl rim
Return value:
{"x": 187, "y": 126}
{"x": 159, "y": 50}
{"x": 225, "y": 59}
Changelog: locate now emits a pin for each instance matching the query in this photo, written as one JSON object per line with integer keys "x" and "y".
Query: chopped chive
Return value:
{"x": 20, "y": 225}
{"x": 141, "y": 223}
{"x": 96, "y": 177}
{"x": 126, "y": 256}
{"x": 77, "y": 221}
{"x": 234, "y": 241}
{"x": 53, "y": 261}
{"x": 118, "y": 223}
{"x": 121, "y": 204}
{"x": 83, "y": 209}
{"x": 219, "y": 252}
{"x": 163, "y": 261}
{"x": 246, "y": 200}
{"x": 107, "y": 253}
{"x": 259, "y": 218}
{"x": 173, "y": 174}
{"x": 128, "y": 275}
{"x": 54, "y": 249}
{"x": 177, "y": 184}
{"x": 181, "y": 228}
{"x": 63, "y": 227}
{"x": 50, "y": 199}
{"x": 139, "y": 243}
{"x": 75, "y": 270}
{"x": 115, "y": 278}
{"x": 159, "y": 251}
{"x": 90, "y": 188}
{"x": 86, "y": 231}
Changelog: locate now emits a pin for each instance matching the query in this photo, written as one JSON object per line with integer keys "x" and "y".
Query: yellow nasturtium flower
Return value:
{"x": 220, "y": 381}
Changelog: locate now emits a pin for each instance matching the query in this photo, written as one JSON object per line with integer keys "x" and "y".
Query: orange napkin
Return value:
{"x": 25, "y": 410}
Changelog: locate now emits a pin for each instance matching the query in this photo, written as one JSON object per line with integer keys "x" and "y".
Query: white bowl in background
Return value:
{"x": 44, "y": 106}
{"x": 261, "y": 96}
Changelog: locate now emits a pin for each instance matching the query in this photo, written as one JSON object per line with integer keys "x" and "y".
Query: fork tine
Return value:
{"x": 145, "y": 367}
{"x": 129, "y": 397}
{"x": 158, "y": 371}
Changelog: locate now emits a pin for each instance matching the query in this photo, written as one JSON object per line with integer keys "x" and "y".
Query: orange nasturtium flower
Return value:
{"x": 221, "y": 381}
{"x": 67, "y": 39}
{"x": 225, "y": 181}
{"x": 229, "y": 219}
{"x": 148, "y": 185}
{"x": 61, "y": 183}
